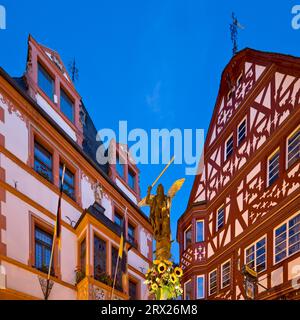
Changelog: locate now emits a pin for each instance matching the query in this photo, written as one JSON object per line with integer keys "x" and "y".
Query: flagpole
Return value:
{"x": 55, "y": 236}
{"x": 115, "y": 277}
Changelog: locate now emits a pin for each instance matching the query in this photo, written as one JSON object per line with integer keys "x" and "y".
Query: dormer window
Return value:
{"x": 45, "y": 82}
{"x": 66, "y": 105}
{"x": 120, "y": 168}
{"x": 131, "y": 179}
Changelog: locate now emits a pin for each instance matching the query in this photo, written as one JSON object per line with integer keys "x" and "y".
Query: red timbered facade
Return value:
{"x": 244, "y": 207}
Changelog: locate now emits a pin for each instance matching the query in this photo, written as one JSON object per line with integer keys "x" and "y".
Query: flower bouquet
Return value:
{"x": 163, "y": 280}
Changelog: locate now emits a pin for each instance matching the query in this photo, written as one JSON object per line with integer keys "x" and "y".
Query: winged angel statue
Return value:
{"x": 160, "y": 205}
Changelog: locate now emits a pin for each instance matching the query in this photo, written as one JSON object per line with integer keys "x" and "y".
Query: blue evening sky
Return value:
{"x": 154, "y": 63}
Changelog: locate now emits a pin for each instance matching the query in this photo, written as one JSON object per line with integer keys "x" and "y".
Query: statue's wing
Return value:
{"x": 143, "y": 203}
{"x": 175, "y": 187}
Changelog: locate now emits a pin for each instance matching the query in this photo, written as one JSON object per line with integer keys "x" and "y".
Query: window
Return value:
{"x": 229, "y": 147}
{"x": 273, "y": 167}
{"x": 43, "y": 247}
{"x": 131, "y": 179}
{"x": 83, "y": 256}
{"x": 200, "y": 287}
{"x": 133, "y": 290}
{"x": 131, "y": 233}
{"x": 114, "y": 258}
{"x": 187, "y": 237}
{"x": 45, "y": 82}
{"x": 99, "y": 257}
{"x": 66, "y": 105}
{"x": 220, "y": 218}
{"x": 118, "y": 219}
{"x": 213, "y": 282}
{"x": 287, "y": 239}
{"x": 255, "y": 256}
{"x": 226, "y": 274}
{"x": 188, "y": 290}
{"x": 69, "y": 181}
{"x": 293, "y": 148}
{"x": 242, "y": 132}
{"x": 200, "y": 231}
{"x": 120, "y": 168}
{"x": 43, "y": 161}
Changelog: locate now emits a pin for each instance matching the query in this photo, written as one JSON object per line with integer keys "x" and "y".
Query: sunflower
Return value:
{"x": 178, "y": 271}
{"x": 156, "y": 262}
{"x": 154, "y": 286}
{"x": 173, "y": 278}
{"x": 162, "y": 267}
{"x": 168, "y": 262}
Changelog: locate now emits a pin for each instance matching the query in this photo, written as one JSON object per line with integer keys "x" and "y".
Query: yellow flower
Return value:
{"x": 178, "y": 271}
{"x": 168, "y": 262}
{"x": 156, "y": 262}
{"x": 154, "y": 286}
{"x": 173, "y": 278}
{"x": 162, "y": 267}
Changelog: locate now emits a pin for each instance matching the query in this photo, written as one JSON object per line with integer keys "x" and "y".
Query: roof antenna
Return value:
{"x": 234, "y": 26}
{"x": 74, "y": 71}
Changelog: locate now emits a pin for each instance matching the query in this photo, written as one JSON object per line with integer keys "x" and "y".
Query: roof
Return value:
{"x": 89, "y": 145}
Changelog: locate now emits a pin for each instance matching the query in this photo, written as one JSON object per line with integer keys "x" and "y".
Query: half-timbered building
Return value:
{"x": 244, "y": 207}
{"x": 44, "y": 124}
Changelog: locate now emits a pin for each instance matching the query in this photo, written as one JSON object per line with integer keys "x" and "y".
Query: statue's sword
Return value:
{"x": 164, "y": 170}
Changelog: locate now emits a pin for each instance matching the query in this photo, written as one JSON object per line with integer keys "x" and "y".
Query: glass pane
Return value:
{"x": 188, "y": 290}
{"x": 188, "y": 237}
{"x": 99, "y": 258}
{"x": 131, "y": 179}
{"x": 200, "y": 288}
{"x": 66, "y": 106}
{"x": 69, "y": 182}
{"x": 132, "y": 290}
{"x": 200, "y": 234}
{"x": 118, "y": 219}
{"x": 45, "y": 82}
{"x": 120, "y": 168}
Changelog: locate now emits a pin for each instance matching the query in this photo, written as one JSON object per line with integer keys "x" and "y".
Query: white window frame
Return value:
{"x": 237, "y": 132}
{"x": 287, "y": 147}
{"x": 225, "y": 151}
{"x": 217, "y": 218}
{"x": 255, "y": 255}
{"x": 209, "y": 287}
{"x": 200, "y": 220}
{"x": 184, "y": 289}
{"x": 203, "y": 296}
{"x": 287, "y": 239}
{"x": 184, "y": 237}
{"x": 222, "y": 285}
{"x": 268, "y": 165}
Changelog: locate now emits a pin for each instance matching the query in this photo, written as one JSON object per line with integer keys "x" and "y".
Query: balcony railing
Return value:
{"x": 91, "y": 289}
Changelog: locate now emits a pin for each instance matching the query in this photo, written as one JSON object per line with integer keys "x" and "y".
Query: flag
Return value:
{"x": 122, "y": 240}
{"x": 58, "y": 216}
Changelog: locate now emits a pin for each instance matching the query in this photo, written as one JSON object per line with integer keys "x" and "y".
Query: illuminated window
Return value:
{"x": 255, "y": 256}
